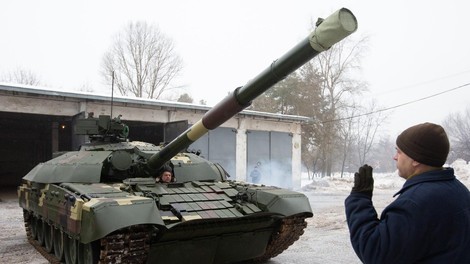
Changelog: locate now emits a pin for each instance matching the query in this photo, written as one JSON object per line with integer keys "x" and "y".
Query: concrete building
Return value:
{"x": 36, "y": 122}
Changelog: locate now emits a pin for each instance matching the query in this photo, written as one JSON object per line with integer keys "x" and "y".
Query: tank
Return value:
{"x": 107, "y": 203}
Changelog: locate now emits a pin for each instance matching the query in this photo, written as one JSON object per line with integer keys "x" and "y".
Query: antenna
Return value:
{"x": 112, "y": 93}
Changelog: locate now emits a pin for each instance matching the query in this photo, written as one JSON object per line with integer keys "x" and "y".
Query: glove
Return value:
{"x": 363, "y": 181}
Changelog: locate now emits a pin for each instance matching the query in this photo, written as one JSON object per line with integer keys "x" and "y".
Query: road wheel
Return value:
{"x": 32, "y": 227}
{"x": 59, "y": 244}
{"x": 48, "y": 237}
{"x": 40, "y": 231}
{"x": 70, "y": 250}
{"x": 88, "y": 253}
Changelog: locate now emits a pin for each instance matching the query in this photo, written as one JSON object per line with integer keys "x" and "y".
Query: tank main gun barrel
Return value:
{"x": 328, "y": 31}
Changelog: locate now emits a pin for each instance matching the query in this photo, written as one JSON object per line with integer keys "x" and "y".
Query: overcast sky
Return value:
{"x": 416, "y": 48}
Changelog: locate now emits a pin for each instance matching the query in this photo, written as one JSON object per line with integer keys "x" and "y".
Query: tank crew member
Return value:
{"x": 429, "y": 222}
{"x": 166, "y": 175}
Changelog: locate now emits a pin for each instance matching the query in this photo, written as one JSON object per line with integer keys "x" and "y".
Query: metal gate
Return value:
{"x": 218, "y": 146}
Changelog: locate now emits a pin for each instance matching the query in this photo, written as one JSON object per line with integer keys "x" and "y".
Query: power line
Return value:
{"x": 406, "y": 87}
{"x": 397, "y": 106}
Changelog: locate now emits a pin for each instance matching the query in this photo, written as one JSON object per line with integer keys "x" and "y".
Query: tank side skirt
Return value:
{"x": 127, "y": 245}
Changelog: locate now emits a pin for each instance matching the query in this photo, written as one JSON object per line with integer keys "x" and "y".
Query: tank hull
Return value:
{"x": 210, "y": 222}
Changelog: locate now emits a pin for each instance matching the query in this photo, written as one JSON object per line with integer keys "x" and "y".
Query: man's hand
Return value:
{"x": 363, "y": 181}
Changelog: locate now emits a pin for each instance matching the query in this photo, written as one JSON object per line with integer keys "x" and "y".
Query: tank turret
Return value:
{"x": 104, "y": 204}
{"x": 328, "y": 32}
{"x": 103, "y": 128}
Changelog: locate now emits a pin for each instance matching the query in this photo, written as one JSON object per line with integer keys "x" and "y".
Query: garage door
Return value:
{"x": 270, "y": 154}
{"x": 218, "y": 146}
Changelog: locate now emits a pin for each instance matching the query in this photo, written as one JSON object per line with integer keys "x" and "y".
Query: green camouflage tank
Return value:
{"x": 103, "y": 203}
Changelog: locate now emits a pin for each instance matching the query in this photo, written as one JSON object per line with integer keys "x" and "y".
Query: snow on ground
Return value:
{"x": 381, "y": 180}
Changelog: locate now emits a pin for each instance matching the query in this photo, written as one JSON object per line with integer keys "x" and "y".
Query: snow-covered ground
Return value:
{"x": 381, "y": 180}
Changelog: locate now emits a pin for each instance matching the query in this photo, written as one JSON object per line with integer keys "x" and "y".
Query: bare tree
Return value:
{"x": 347, "y": 137}
{"x": 457, "y": 126}
{"x": 334, "y": 68}
{"x": 366, "y": 131}
{"x": 143, "y": 61}
{"x": 22, "y": 76}
{"x": 381, "y": 156}
{"x": 310, "y": 159}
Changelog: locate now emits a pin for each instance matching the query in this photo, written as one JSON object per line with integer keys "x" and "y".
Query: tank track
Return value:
{"x": 127, "y": 245}
{"x": 131, "y": 245}
{"x": 50, "y": 257}
{"x": 290, "y": 229}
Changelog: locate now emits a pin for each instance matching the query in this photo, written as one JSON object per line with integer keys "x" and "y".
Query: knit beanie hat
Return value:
{"x": 425, "y": 143}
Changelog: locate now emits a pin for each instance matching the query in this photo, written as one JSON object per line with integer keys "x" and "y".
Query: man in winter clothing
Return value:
{"x": 429, "y": 222}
